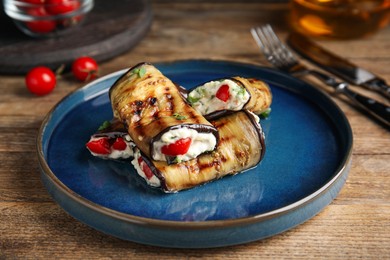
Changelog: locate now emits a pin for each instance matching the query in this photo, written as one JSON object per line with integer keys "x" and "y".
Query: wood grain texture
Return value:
{"x": 356, "y": 225}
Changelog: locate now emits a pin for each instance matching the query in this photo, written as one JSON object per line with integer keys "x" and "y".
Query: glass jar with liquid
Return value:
{"x": 339, "y": 19}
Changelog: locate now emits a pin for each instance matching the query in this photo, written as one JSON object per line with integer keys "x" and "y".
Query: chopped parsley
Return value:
{"x": 179, "y": 117}
{"x": 139, "y": 71}
{"x": 192, "y": 99}
{"x": 242, "y": 91}
{"x": 266, "y": 113}
{"x": 104, "y": 125}
{"x": 176, "y": 160}
{"x": 201, "y": 91}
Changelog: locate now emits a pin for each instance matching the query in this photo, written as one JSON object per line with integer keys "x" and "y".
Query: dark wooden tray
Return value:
{"x": 111, "y": 28}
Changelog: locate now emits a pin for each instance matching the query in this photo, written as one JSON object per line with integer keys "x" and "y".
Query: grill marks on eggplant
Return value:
{"x": 151, "y": 104}
{"x": 240, "y": 147}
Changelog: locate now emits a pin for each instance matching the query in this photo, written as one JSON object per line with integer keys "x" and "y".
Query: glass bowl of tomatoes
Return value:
{"x": 47, "y": 18}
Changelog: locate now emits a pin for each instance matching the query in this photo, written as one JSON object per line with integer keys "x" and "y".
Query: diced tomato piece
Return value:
{"x": 119, "y": 144}
{"x": 145, "y": 168}
{"x": 179, "y": 147}
{"x": 99, "y": 146}
{"x": 223, "y": 93}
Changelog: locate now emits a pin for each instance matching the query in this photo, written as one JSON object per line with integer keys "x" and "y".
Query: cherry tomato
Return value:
{"x": 85, "y": 68}
{"x": 40, "y": 26}
{"x": 61, "y": 6}
{"x": 179, "y": 147}
{"x": 223, "y": 93}
{"x": 99, "y": 146}
{"x": 40, "y": 80}
{"x": 145, "y": 168}
{"x": 119, "y": 144}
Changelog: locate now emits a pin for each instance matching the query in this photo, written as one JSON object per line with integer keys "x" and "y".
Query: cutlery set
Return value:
{"x": 281, "y": 57}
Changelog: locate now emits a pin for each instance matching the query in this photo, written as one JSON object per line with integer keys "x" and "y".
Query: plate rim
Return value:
{"x": 204, "y": 224}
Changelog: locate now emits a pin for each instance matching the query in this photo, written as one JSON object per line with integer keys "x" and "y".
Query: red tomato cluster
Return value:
{"x": 104, "y": 145}
{"x": 42, "y": 80}
{"x": 46, "y": 8}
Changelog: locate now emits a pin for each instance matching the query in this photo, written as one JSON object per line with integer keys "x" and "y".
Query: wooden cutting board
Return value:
{"x": 111, "y": 28}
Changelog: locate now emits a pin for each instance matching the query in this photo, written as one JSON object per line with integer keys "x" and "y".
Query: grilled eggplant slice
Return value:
{"x": 241, "y": 147}
{"x": 215, "y": 98}
{"x": 157, "y": 117}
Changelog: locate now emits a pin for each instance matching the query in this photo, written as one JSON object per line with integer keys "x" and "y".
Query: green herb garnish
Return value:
{"x": 201, "y": 91}
{"x": 178, "y": 116}
{"x": 193, "y": 100}
{"x": 105, "y": 125}
{"x": 176, "y": 160}
{"x": 242, "y": 91}
{"x": 139, "y": 71}
{"x": 266, "y": 113}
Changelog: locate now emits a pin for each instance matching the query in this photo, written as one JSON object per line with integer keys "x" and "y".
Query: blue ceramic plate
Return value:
{"x": 308, "y": 154}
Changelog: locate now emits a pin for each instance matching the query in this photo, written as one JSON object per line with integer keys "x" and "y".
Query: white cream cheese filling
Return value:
{"x": 200, "y": 143}
{"x": 256, "y": 117}
{"x": 116, "y": 154}
{"x": 154, "y": 181}
{"x": 204, "y": 99}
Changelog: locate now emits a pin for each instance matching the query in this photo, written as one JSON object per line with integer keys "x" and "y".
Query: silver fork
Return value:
{"x": 279, "y": 55}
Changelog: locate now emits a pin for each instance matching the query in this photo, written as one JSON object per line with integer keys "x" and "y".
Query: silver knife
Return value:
{"x": 337, "y": 65}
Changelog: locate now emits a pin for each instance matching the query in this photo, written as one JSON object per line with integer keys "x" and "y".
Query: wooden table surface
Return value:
{"x": 355, "y": 225}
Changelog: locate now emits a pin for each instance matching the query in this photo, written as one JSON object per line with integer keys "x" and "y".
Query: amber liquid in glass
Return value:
{"x": 340, "y": 19}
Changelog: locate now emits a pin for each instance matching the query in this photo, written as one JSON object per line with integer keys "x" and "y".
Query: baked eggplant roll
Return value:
{"x": 214, "y": 98}
{"x": 241, "y": 147}
{"x": 157, "y": 117}
{"x": 111, "y": 141}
